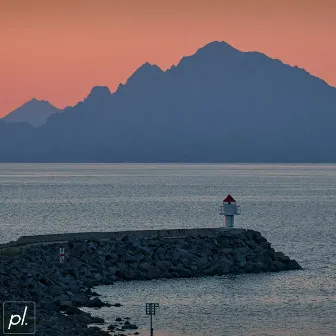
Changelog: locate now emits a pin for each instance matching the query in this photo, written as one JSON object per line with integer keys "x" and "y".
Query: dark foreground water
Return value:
{"x": 293, "y": 206}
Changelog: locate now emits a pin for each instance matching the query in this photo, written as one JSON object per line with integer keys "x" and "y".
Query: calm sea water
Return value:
{"x": 293, "y": 206}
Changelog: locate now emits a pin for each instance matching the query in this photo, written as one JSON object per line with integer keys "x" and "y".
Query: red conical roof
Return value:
{"x": 229, "y": 199}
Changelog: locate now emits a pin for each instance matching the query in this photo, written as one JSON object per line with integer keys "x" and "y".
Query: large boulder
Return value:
{"x": 223, "y": 266}
{"x": 240, "y": 258}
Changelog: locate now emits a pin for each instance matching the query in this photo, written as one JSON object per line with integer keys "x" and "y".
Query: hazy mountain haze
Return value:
{"x": 34, "y": 112}
{"x": 218, "y": 105}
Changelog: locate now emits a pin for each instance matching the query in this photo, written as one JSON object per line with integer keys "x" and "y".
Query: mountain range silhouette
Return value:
{"x": 34, "y": 112}
{"x": 218, "y": 105}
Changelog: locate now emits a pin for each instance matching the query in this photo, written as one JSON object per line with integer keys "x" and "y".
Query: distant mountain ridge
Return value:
{"x": 217, "y": 105}
{"x": 34, "y": 112}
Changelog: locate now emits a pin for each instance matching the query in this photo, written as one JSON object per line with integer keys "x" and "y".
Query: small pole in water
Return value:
{"x": 61, "y": 255}
{"x": 150, "y": 310}
{"x": 151, "y": 325}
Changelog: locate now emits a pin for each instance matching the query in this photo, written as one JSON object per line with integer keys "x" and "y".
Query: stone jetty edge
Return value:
{"x": 30, "y": 269}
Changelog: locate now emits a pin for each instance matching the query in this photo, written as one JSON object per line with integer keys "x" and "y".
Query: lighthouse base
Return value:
{"x": 228, "y": 222}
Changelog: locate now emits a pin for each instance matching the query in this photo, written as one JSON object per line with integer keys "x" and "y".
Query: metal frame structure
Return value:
{"x": 150, "y": 310}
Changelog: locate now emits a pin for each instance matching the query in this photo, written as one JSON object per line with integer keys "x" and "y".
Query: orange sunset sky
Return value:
{"x": 57, "y": 50}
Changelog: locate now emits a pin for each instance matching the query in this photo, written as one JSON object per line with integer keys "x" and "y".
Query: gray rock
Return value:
{"x": 242, "y": 250}
{"x": 163, "y": 265}
{"x": 112, "y": 327}
{"x": 153, "y": 272}
{"x": 226, "y": 250}
{"x": 279, "y": 256}
{"x": 112, "y": 270}
{"x": 98, "y": 277}
{"x": 63, "y": 297}
{"x": 279, "y": 265}
{"x": 95, "y": 319}
{"x": 241, "y": 259}
{"x": 29, "y": 282}
{"x": 79, "y": 300}
{"x": 292, "y": 265}
{"x": 95, "y": 302}
{"x": 65, "y": 304}
{"x": 129, "y": 326}
{"x": 223, "y": 266}
{"x": 144, "y": 266}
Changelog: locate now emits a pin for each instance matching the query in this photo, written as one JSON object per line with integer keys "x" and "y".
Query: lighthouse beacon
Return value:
{"x": 229, "y": 209}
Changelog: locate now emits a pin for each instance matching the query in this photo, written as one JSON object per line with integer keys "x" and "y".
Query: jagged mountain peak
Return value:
{"x": 217, "y": 46}
{"x": 36, "y": 101}
{"x": 34, "y": 112}
{"x": 146, "y": 70}
{"x": 213, "y": 51}
{"x": 98, "y": 93}
{"x": 148, "y": 67}
{"x": 100, "y": 90}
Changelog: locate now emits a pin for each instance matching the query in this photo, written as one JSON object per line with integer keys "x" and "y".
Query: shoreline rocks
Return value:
{"x": 35, "y": 274}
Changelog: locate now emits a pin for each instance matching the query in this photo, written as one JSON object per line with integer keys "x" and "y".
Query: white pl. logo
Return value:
{"x": 19, "y": 317}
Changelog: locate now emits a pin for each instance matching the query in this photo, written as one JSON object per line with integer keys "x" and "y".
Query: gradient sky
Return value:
{"x": 57, "y": 50}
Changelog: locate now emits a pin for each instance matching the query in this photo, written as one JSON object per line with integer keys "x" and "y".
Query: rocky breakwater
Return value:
{"x": 35, "y": 274}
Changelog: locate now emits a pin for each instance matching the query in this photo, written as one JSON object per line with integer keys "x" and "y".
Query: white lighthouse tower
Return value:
{"x": 229, "y": 209}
